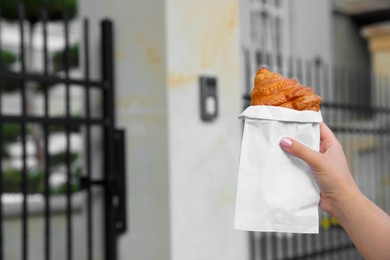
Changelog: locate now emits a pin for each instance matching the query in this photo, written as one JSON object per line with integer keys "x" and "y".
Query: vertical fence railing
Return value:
{"x": 356, "y": 106}
{"x": 114, "y": 220}
{"x": 66, "y": 60}
{"x": 109, "y": 112}
{"x": 22, "y": 85}
{"x": 46, "y": 132}
{"x": 1, "y": 145}
{"x": 88, "y": 141}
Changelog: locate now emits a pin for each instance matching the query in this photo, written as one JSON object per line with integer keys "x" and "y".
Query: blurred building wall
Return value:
{"x": 202, "y": 188}
{"x": 182, "y": 171}
{"x": 305, "y": 33}
{"x": 141, "y": 109}
{"x": 350, "y": 49}
{"x": 311, "y": 29}
{"x": 162, "y": 48}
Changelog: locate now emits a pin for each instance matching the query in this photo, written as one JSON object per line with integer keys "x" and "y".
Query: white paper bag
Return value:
{"x": 276, "y": 191}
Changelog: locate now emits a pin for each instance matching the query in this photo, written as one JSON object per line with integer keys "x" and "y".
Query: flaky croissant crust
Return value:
{"x": 272, "y": 89}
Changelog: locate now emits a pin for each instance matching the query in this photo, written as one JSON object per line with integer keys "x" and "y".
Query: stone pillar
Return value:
{"x": 378, "y": 37}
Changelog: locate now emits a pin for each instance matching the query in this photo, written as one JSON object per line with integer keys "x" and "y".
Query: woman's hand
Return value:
{"x": 366, "y": 224}
{"x": 329, "y": 166}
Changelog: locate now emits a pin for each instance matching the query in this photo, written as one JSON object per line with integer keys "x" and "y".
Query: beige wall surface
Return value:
{"x": 378, "y": 37}
{"x": 141, "y": 109}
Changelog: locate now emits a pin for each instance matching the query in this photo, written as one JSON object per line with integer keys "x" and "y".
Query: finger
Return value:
{"x": 327, "y": 137}
{"x": 301, "y": 151}
{"x": 326, "y": 134}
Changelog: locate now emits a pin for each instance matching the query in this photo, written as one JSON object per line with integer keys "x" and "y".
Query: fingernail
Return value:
{"x": 286, "y": 142}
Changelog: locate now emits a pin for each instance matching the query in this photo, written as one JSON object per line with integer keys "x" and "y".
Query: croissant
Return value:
{"x": 272, "y": 89}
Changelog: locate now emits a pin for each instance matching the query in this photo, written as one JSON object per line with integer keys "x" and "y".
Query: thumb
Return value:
{"x": 311, "y": 157}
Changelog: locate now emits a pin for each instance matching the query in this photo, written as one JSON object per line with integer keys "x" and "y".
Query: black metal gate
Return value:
{"x": 356, "y": 106}
{"x": 82, "y": 181}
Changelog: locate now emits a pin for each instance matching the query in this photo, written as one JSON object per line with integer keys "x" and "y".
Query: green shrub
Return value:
{"x": 8, "y": 58}
{"x": 55, "y": 9}
{"x": 60, "y": 57}
{"x": 12, "y": 179}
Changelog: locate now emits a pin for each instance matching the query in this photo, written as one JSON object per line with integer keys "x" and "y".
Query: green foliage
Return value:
{"x": 61, "y": 159}
{"x": 11, "y": 132}
{"x": 55, "y": 9}
{"x": 12, "y": 180}
{"x": 8, "y": 58}
{"x": 4, "y": 151}
{"x": 60, "y": 56}
{"x": 72, "y": 128}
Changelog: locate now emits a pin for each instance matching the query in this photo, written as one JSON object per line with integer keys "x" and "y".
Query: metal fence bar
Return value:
{"x": 383, "y": 143}
{"x": 109, "y": 113}
{"x": 384, "y": 151}
{"x": 387, "y": 150}
{"x": 88, "y": 143}
{"x": 53, "y": 120}
{"x": 1, "y": 193}
{"x": 322, "y": 252}
{"x": 24, "y": 184}
{"x": 49, "y": 79}
{"x": 69, "y": 245}
{"x": 46, "y": 131}
{"x": 274, "y": 245}
{"x": 1, "y": 145}
{"x": 1, "y": 190}
{"x": 380, "y": 159}
{"x": 252, "y": 245}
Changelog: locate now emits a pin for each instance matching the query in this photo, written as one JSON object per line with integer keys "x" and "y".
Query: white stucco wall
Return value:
{"x": 202, "y": 39}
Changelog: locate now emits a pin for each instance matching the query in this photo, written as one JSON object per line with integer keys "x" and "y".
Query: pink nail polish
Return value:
{"x": 286, "y": 142}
